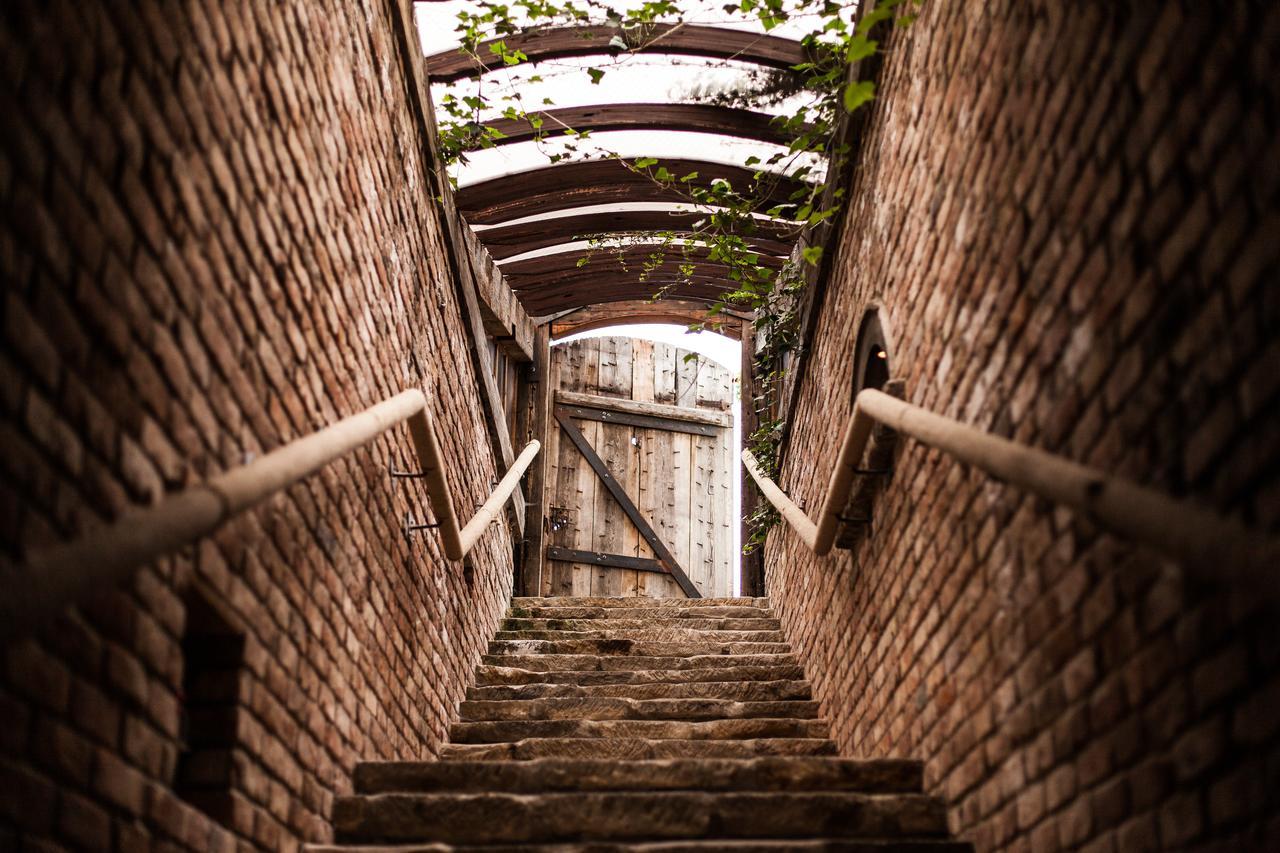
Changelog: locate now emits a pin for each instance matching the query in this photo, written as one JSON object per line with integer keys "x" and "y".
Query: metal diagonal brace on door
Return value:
{"x": 660, "y": 550}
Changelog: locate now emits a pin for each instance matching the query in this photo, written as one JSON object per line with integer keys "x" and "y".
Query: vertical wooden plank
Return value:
{"x": 715, "y": 391}
{"x": 662, "y": 486}
{"x": 664, "y": 377}
{"x": 702, "y": 551}
{"x": 615, "y": 367}
{"x": 587, "y": 381}
{"x": 642, "y": 370}
{"x": 626, "y": 580}
{"x": 552, "y": 498}
{"x": 752, "y": 565}
{"x": 680, "y": 496}
{"x": 725, "y": 473}
{"x": 641, "y": 481}
{"x": 613, "y": 445}
{"x": 684, "y": 466}
{"x": 536, "y": 391}
{"x": 687, "y": 371}
{"x": 614, "y": 448}
{"x": 567, "y": 363}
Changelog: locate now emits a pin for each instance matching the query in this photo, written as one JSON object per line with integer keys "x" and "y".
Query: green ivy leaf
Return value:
{"x": 860, "y": 47}
{"x": 596, "y": 75}
{"x": 857, "y": 94}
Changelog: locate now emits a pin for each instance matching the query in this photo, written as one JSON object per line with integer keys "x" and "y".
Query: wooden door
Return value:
{"x": 639, "y": 499}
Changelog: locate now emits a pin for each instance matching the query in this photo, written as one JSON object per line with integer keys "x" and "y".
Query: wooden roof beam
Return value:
{"x": 589, "y": 40}
{"x": 690, "y": 118}
{"x": 554, "y": 300}
{"x": 772, "y": 236}
{"x": 564, "y": 186}
{"x": 682, "y": 312}
{"x": 629, "y": 260}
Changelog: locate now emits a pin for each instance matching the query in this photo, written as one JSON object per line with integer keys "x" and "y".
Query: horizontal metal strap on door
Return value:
{"x": 598, "y": 558}
{"x": 607, "y": 416}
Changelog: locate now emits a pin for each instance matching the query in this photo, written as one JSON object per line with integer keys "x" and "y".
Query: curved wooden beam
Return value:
{"x": 680, "y": 39}
{"x": 692, "y": 118}
{"x": 682, "y": 312}
{"x": 587, "y": 182}
{"x": 773, "y": 236}
{"x": 628, "y": 261}
{"x": 561, "y": 299}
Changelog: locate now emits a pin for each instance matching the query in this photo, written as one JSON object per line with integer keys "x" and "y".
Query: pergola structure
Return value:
{"x": 534, "y": 222}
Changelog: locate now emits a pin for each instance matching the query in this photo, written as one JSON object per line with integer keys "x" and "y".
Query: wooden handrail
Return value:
{"x": 61, "y": 575}
{"x": 1204, "y": 540}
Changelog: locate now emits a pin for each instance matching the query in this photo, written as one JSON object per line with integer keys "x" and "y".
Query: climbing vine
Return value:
{"x": 816, "y": 94}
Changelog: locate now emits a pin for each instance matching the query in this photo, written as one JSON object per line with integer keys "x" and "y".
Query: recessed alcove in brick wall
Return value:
{"x": 1070, "y": 213}
{"x": 219, "y": 234}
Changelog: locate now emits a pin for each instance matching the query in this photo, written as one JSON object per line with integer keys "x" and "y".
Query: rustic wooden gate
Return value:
{"x": 639, "y": 498}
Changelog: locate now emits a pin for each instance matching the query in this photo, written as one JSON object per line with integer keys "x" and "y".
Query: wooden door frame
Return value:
{"x": 539, "y": 391}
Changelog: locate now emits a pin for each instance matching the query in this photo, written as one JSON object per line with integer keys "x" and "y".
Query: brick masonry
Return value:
{"x": 1069, "y": 215}
{"x": 219, "y": 234}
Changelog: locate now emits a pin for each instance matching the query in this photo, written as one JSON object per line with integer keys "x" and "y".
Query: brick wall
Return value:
{"x": 218, "y": 235}
{"x": 1069, "y": 214}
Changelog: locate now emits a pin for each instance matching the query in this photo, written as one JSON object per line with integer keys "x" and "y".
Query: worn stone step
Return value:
{"x": 580, "y": 663}
{"x": 619, "y": 816}
{"x": 644, "y": 648}
{"x": 692, "y": 623}
{"x": 617, "y": 708}
{"x": 788, "y": 845}
{"x": 494, "y": 674}
{"x": 618, "y": 602}
{"x": 634, "y": 748}
{"x": 550, "y": 775}
{"x": 604, "y": 614}
{"x": 742, "y": 691}
{"x": 677, "y": 634}
{"x": 507, "y": 731}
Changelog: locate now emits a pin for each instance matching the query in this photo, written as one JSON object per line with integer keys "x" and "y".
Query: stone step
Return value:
{"x": 550, "y": 775}
{"x": 494, "y": 674}
{"x": 634, "y": 748}
{"x": 580, "y": 663}
{"x": 616, "y": 708}
{"x": 677, "y": 634}
{"x": 619, "y": 816}
{"x": 510, "y": 731}
{"x": 656, "y": 649}
{"x": 741, "y": 691}
{"x": 692, "y": 623}
{"x": 632, "y": 601}
{"x": 790, "y": 845}
{"x": 604, "y": 614}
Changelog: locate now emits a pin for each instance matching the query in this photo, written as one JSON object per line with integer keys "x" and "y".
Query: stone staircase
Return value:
{"x": 639, "y": 724}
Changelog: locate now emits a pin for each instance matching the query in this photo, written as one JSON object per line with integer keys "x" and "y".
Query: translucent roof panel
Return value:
{"x": 495, "y": 162}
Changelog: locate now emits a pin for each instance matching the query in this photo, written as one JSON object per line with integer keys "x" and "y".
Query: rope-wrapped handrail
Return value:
{"x": 52, "y": 579}
{"x": 1218, "y": 547}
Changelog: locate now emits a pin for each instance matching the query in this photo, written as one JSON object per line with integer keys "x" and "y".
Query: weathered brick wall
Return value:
{"x": 219, "y": 235}
{"x": 1069, "y": 212}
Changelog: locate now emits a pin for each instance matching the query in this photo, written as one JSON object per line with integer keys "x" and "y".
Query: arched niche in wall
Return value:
{"x": 872, "y": 368}
{"x": 871, "y": 365}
